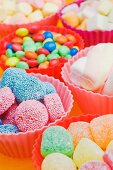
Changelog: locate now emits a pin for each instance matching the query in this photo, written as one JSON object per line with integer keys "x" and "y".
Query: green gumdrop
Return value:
{"x": 52, "y": 56}
{"x": 41, "y": 58}
{"x": 64, "y": 50}
{"x": 57, "y": 139}
{"x": 9, "y": 53}
{"x": 55, "y": 51}
{"x": 38, "y": 45}
{"x": 68, "y": 56}
{"x": 20, "y": 54}
{"x": 22, "y": 65}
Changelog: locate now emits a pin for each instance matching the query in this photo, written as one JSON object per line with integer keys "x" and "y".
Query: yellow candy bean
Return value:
{"x": 12, "y": 61}
{"x": 27, "y": 38}
{"x": 22, "y": 32}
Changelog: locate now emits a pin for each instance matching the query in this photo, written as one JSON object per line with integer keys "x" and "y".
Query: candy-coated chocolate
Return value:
{"x": 12, "y": 61}
{"x": 9, "y": 46}
{"x": 32, "y": 63}
{"x": 52, "y": 56}
{"x": 38, "y": 37}
{"x": 50, "y": 46}
{"x": 48, "y": 34}
{"x": 69, "y": 44}
{"x": 41, "y": 58}
{"x": 73, "y": 51}
{"x": 30, "y": 55}
{"x": 54, "y": 62}
{"x": 38, "y": 45}
{"x": 71, "y": 38}
{"x": 22, "y": 65}
{"x": 3, "y": 58}
{"x": 17, "y": 47}
{"x": 18, "y": 40}
{"x": 43, "y": 51}
{"x": 9, "y": 53}
{"x": 20, "y": 54}
{"x": 64, "y": 50}
{"x": 22, "y": 32}
{"x": 61, "y": 39}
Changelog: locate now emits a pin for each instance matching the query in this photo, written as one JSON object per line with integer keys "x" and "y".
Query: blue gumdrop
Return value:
{"x": 8, "y": 128}
{"x": 73, "y": 51}
{"x": 50, "y": 46}
{"x": 29, "y": 88}
{"x": 49, "y": 88}
{"x": 48, "y": 34}
{"x": 9, "y": 46}
{"x": 11, "y": 76}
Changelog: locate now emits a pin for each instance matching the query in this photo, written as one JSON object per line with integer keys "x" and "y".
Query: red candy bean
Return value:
{"x": 38, "y": 37}
{"x": 54, "y": 62}
{"x": 17, "y": 47}
{"x": 63, "y": 60}
{"x": 61, "y": 39}
{"x": 33, "y": 29}
{"x": 24, "y": 59}
{"x": 32, "y": 63}
{"x": 42, "y": 51}
{"x": 17, "y": 40}
{"x": 71, "y": 38}
{"x": 30, "y": 55}
{"x": 69, "y": 44}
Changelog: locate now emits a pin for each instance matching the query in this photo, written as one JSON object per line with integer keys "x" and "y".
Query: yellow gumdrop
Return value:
{"x": 12, "y": 61}
{"x": 22, "y": 32}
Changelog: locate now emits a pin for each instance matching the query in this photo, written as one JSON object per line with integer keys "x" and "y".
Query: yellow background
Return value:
{"x": 7, "y": 163}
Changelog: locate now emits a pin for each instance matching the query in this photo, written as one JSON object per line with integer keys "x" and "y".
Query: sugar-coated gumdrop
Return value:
{"x": 95, "y": 165}
{"x": 79, "y": 130}
{"x": 57, "y": 161}
{"x": 56, "y": 139}
{"x": 102, "y": 130}
{"x": 8, "y": 128}
{"x": 85, "y": 151}
{"x": 108, "y": 158}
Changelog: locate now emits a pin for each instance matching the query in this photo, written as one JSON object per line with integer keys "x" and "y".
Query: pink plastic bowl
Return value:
{"x": 90, "y": 37}
{"x": 20, "y": 144}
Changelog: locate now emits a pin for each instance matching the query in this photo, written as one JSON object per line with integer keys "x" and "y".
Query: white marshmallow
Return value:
{"x": 35, "y": 16}
{"x": 9, "y": 6}
{"x": 50, "y": 8}
{"x": 105, "y": 7}
{"x": 24, "y": 8}
{"x": 110, "y": 16}
{"x": 88, "y": 12}
{"x": 70, "y": 8}
{"x": 77, "y": 70}
{"x": 98, "y": 22}
{"x": 110, "y": 26}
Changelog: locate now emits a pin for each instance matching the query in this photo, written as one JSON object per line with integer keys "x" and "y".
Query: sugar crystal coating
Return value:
{"x": 57, "y": 161}
{"x": 8, "y": 128}
{"x": 31, "y": 115}
{"x": 7, "y": 98}
{"x": 54, "y": 106}
{"x": 56, "y": 139}
{"x": 49, "y": 88}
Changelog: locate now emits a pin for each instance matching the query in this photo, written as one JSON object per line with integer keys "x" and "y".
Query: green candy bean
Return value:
{"x": 52, "y": 56}
{"x": 20, "y": 54}
{"x": 22, "y": 65}
{"x": 9, "y": 53}
{"x": 64, "y": 50}
{"x": 41, "y": 58}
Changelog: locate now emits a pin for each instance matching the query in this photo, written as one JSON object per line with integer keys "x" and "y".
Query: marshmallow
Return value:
{"x": 18, "y": 18}
{"x": 98, "y": 66}
{"x": 50, "y": 8}
{"x": 77, "y": 70}
{"x": 70, "y": 8}
{"x": 110, "y": 16}
{"x": 24, "y": 8}
{"x": 88, "y": 12}
{"x": 105, "y": 7}
{"x": 9, "y": 6}
{"x": 35, "y": 16}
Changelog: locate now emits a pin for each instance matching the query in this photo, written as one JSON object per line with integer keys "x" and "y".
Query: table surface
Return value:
{"x": 7, "y": 163}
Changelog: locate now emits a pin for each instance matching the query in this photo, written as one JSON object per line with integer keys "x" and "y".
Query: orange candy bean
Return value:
{"x": 30, "y": 55}
{"x": 17, "y": 40}
{"x": 61, "y": 39}
{"x": 3, "y": 58}
{"x": 71, "y": 38}
{"x": 44, "y": 65}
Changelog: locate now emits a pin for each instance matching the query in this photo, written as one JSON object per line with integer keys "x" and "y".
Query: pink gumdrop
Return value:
{"x": 54, "y": 106}
{"x": 9, "y": 116}
{"x": 7, "y": 98}
{"x": 108, "y": 158}
{"x": 31, "y": 115}
{"x": 95, "y": 165}
{"x": 17, "y": 47}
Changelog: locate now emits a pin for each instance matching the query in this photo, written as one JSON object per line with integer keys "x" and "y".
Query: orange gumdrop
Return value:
{"x": 102, "y": 130}
{"x": 79, "y": 130}
{"x": 71, "y": 18}
{"x": 71, "y": 38}
{"x": 3, "y": 58}
{"x": 61, "y": 39}
{"x": 30, "y": 55}
{"x": 17, "y": 40}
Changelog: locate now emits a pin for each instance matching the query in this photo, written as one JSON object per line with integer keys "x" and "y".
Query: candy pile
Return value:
{"x": 42, "y": 49}
{"x": 27, "y": 103}
{"x": 83, "y": 145}
{"x": 91, "y": 15}
{"x": 23, "y": 12}
{"x": 94, "y": 71}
